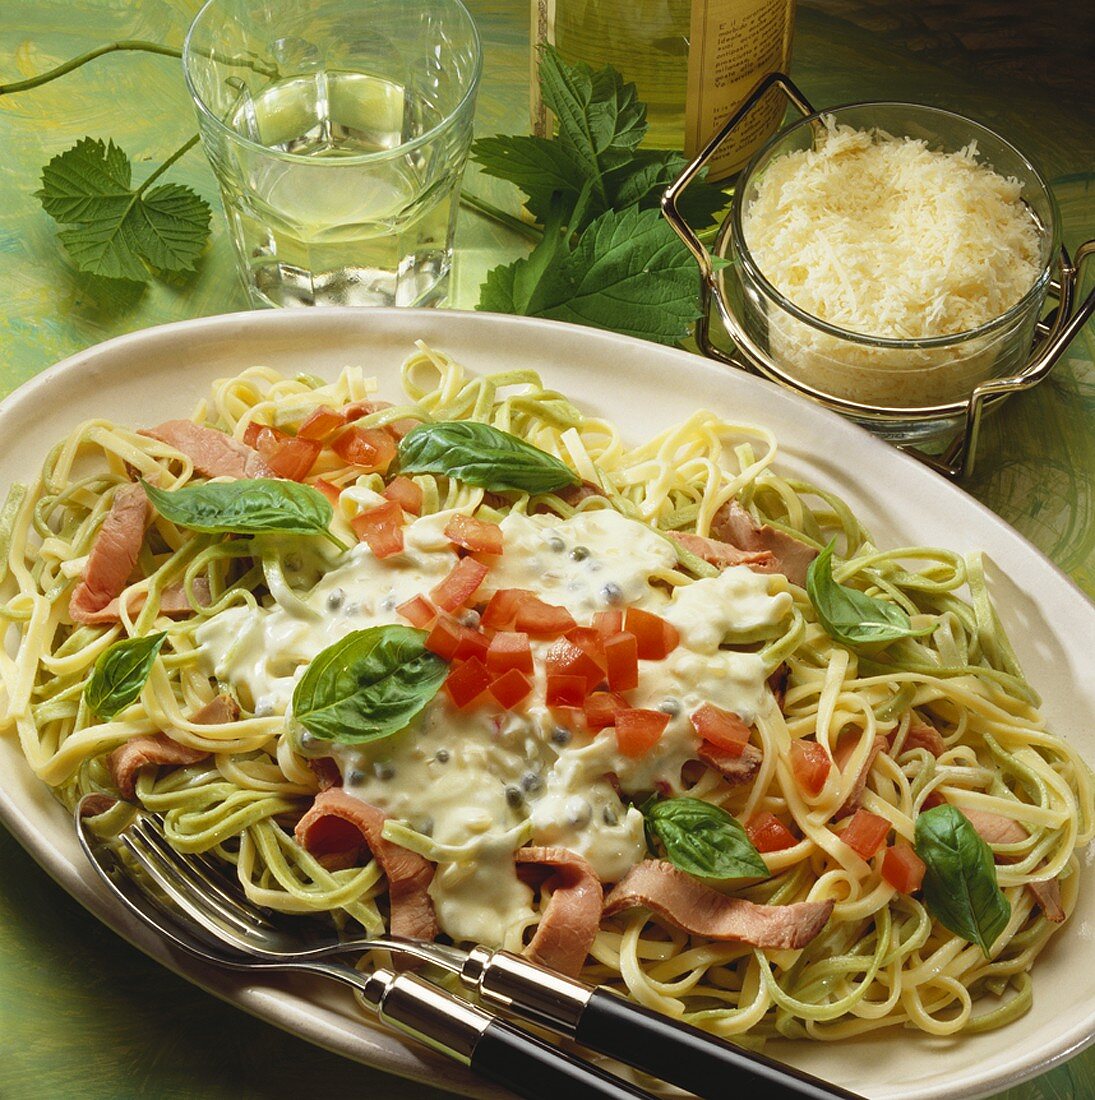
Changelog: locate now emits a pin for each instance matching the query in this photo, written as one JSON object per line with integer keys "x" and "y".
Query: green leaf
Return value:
{"x": 119, "y": 674}
{"x": 369, "y": 685}
{"x": 601, "y": 120}
{"x": 119, "y": 232}
{"x": 628, "y": 273}
{"x": 246, "y": 507}
{"x": 482, "y": 455}
{"x": 960, "y": 886}
{"x": 544, "y": 170}
{"x": 850, "y": 616}
{"x": 643, "y": 180}
{"x": 704, "y": 840}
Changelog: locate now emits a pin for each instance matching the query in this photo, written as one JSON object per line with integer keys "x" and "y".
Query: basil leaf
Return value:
{"x": 246, "y": 507}
{"x": 850, "y": 616}
{"x": 481, "y": 455}
{"x": 704, "y": 840}
{"x": 960, "y": 887}
{"x": 120, "y": 673}
{"x": 369, "y": 685}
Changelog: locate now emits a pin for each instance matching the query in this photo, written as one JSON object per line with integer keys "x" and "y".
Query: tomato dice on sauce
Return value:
{"x": 639, "y": 730}
{"x": 501, "y": 608}
{"x": 474, "y": 534}
{"x": 511, "y": 688}
{"x": 418, "y": 611}
{"x": 602, "y": 707}
{"x": 381, "y": 528}
{"x": 721, "y": 728}
{"x": 460, "y": 585}
{"x": 542, "y": 620}
{"x": 655, "y": 637}
{"x": 509, "y": 649}
{"x": 467, "y": 681}
{"x": 564, "y": 658}
{"x": 622, "y": 661}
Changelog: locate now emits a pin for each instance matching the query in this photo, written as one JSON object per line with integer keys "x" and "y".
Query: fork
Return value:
{"x": 418, "y": 1009}
{"x": 222, "y": 915}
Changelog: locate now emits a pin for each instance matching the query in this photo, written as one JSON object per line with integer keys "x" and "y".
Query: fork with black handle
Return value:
{"x": 598, "y": 1018}
{"x": 468, "y": 1034}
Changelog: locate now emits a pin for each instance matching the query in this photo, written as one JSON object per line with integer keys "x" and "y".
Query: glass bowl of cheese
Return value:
{"x": 889, "y": 257}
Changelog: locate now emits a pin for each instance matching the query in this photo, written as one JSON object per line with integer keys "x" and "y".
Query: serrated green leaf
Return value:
{"x": 121, "y": 233}
{"x": 643, "y": 180}
{"x": 628, "y": 273}
{"x": 87, "y": 183}
{"x": 540, "y": 168}
{"x": 601, "y": 119}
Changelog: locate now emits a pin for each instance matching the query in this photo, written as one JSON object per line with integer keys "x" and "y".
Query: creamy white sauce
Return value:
{"x": 482, "y": 779}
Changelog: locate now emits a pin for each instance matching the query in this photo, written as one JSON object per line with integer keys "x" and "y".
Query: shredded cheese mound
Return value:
{"x": 886, "y": 237}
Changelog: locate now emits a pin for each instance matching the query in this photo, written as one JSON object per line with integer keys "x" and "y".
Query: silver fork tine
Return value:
{"x": 169, "y": 875}
{"x": 207, "y": 878}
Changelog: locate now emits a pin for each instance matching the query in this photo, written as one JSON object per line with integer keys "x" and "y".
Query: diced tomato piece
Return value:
{"x": 564, "y": 658}
{"x": 455, "y": 642}
{"x": 607, "y": 623}
{"x": 444, "y": 637}
{"x": 768, "y": 834}
{"x": 542, "y": 620}
{"x": 866, "y": 833}
{"x": 472, "y": 643}
{"x": 810, "y": 763}
{"x": 321, "y": 423}
{"x": 931, "y": 800}
{"x": 721, "y": 727}
{"x": 638, "y": 730}
{"x": 602, "y": 707}
{"x": 405, "y": 493}
{"x": 460, "y": 585}
{"x": 331, "y": 492}
{"x": 474, "y": 535}
{"x": 372, "y": 449}
{"x": 286, "y": 455}
{"x": 418, "y": 611}
{"x": 511, "y": 688}
{"x": 467, "y": 681}
{"x": 251, "y": 433}
{"x": 622, "y": 661}
{"x": 509, "y": 650}
{"x": 590, "y": 642}
{"x": 565, "y": 691}
{"x": 902, "y": 868}
{"x": 382, "y": 528}
{"x": 655, "y": 637}
{"x": 501, "y": 608}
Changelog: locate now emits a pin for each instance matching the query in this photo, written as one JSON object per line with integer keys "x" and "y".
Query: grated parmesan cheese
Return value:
{"x": 886, "y": 237}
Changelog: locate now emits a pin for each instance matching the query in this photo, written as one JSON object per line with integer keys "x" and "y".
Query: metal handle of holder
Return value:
{"x": 1055, "y": 332}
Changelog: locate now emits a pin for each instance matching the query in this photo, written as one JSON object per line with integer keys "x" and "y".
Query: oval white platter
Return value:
{"x": 159, "y": 373}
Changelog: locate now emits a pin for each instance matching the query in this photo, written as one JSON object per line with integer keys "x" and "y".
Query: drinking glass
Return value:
{"x": 338, "y": 131}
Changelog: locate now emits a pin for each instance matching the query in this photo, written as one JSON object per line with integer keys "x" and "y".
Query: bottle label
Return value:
{"x": 732, "y": 45}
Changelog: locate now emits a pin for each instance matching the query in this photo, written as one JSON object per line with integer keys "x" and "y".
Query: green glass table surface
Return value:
{"x": 83, "y": 1015}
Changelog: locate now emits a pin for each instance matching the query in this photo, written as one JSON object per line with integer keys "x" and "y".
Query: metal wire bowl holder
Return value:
{"x": 1052, "y": 333}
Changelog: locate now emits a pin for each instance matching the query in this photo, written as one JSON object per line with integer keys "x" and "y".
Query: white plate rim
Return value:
{"x": 324, "y": 1024}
